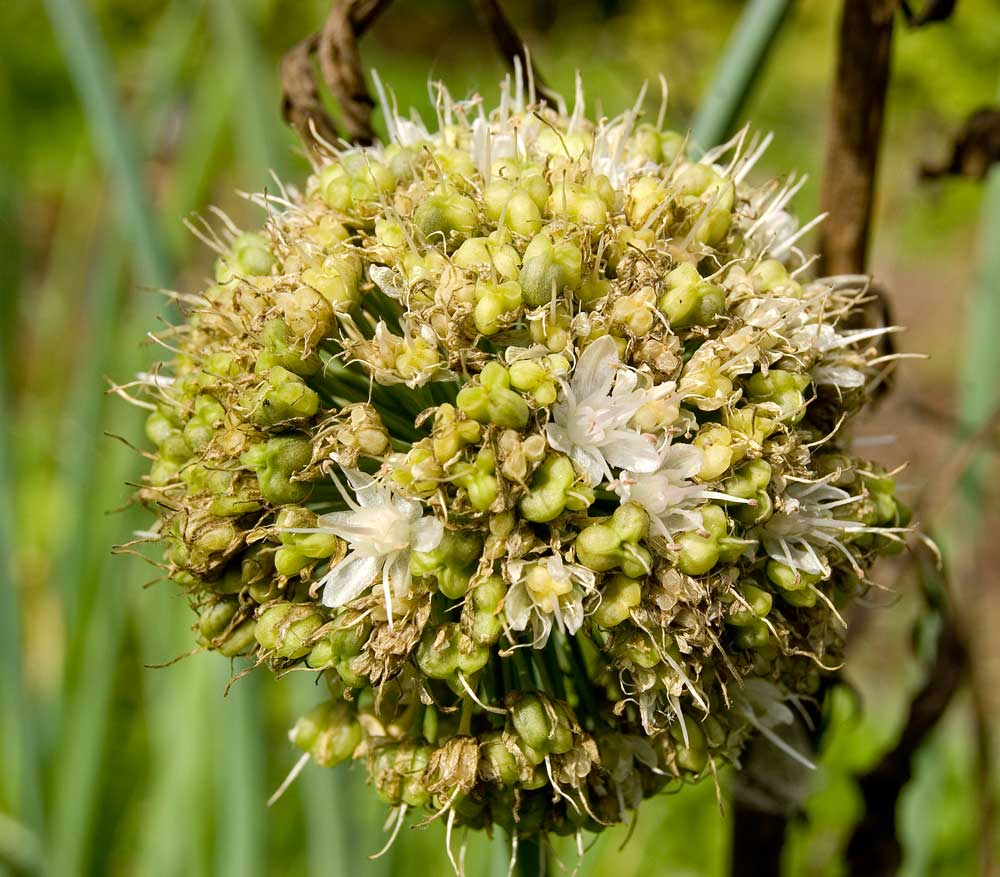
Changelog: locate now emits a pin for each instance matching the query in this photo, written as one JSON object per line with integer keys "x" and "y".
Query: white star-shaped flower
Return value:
{"x": 382, "y": 528}
{"x": 589, "y": 422}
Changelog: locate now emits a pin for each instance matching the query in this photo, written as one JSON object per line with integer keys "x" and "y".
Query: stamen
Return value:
{"x": 288, "y": 780}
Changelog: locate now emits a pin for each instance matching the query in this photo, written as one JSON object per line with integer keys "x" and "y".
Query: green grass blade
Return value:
{"x": 324, "y": 793}
{"x": 77, "y": 768}
{"x": 20, "y": 850}
{"x": 19, "y": 779}
{"x": 256, "y": 117}
{"x": 96, "y": 628}
{"x": 978, "y": 387}
{"x": 241, "y": 799}
{"x": 176, "y": 754}
{"x": 741, "y": 63}
{"x": 114, "y": 140}
{"x": 240, "y": 793}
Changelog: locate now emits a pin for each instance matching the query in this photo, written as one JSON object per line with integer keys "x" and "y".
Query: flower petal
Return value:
{"x": 426, "y": 533}
{"x": 590, "y": 462}
{"x": 682, "y": 461}
{"x": 571, "y": 607}
{"x": 517, "y": 606}
{"x": 558, "y": 438}
{"x": 838, "y": 376}
{"x": 348, "y": 579}
{"x": 626, "y": 449}
{"x": 400, "y": 577}
{"x": 596, "y": 368}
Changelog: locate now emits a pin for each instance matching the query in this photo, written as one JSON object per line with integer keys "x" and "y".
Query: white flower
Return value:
{"x": 381, "y": 529}
{"x": 589, "y": 421}
{"x": 669, "y": 493}
{"x": 838, "y": 365}
{"x": 805, "y": 528}
{"x": 762, "y": 704}
{"x": 546, "y": 591}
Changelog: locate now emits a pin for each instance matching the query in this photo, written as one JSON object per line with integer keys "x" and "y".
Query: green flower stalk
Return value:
{"x": 528, "y": 435}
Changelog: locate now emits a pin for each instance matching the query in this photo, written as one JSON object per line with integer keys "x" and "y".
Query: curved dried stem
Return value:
{"x": 511, "y": 46}
{"x": 340, "y": 62}
{"x": 335, "y": 47}
{"x": 301, "y": 104}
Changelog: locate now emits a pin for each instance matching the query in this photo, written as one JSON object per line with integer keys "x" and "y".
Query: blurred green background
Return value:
{"x": 121, "y": 117}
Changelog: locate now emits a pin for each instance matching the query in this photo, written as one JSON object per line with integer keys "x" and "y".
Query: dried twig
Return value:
{"x": 849, "y": 185}
{"x": 861, "y": 79}
{"x": 301, "y": 104}
{"x": 510, "y": 45}
{"x": 975, "y": 149}
{"x": 336, "y": 49}
{"x": 340, "y": 62}
{"x": 758, "y": 839}
{"x": 932, "y": 10}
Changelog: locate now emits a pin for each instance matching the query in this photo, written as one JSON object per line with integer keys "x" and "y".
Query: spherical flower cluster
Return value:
{"x": 526, "y": 436}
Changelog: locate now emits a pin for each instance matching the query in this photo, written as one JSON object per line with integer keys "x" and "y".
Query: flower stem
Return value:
{"x": 531, "y": 858}
{"x": 739, "y": 67}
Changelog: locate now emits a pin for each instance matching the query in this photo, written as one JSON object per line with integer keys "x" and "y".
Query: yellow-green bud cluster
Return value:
{"x": 529, "y": 436}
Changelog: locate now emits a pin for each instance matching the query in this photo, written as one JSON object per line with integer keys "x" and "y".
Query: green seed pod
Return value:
{"x": 542, "y": 723}
{"x": 497, "y": 304}
{"x": 478, "y": 480}
{"x": 698, "y": 553}
{"x": 280, "y": 349}
{"x": 770, "y": 275}
{"x": 788, "y": 579}
{"x": 204, "y": 423}
{"x": 750, "y": 482}
{"x": 287, "y": 629}
{"x": 689, "y": 300}
{"x": 755, "y": 603}
{"x": 250, "y": 255}
{"x": 781, "y": 388}
{"x": 487, "y": 602}
{"x": 488, "y": 254}
{"x": 337, "y": 279}
{"x": 580, "y": 204}
{"x": 492, "y": 400}
{"x": 276, "y": 463}
{"x": 452, "y": 434}
{"x": 451, "y": 564}
{"x": 752, "y": 636}
{"x": 330, "y": 733}
{"x": 496, "y": 762}
{"x": 554, "y": 489}
{"x": 548, "y": 268}
{"x": 446, "y": 213}
{"x": 614, "y": 543}
{"x": 619, "y": 596}
{"x": 437, "y": 652}
{"x": 283, "y": 398}
{"x": 214, "y": 618}
{"x": 313, "y": 545}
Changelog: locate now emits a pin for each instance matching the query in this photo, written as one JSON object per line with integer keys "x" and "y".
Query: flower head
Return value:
{"x": 596, "y": 386}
